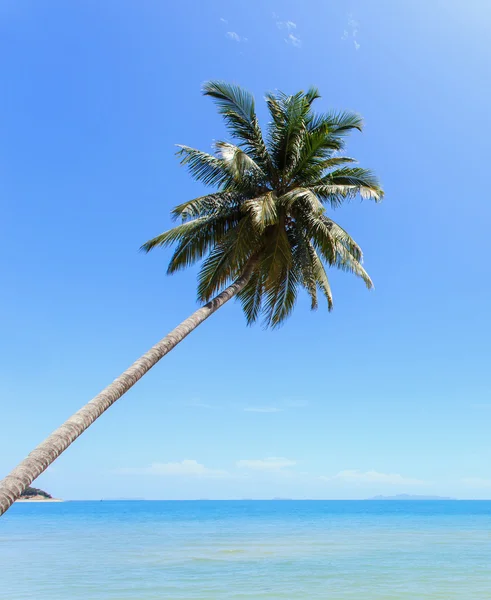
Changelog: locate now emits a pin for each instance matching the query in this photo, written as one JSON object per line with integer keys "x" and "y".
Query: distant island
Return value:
{"x": 410, "y": 497}
{"x": 32, "y": 494}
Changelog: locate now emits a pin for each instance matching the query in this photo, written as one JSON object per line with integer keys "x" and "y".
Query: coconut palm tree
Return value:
{"x": 263, "y": 234}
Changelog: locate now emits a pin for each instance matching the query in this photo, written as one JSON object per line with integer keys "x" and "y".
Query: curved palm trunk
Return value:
{"x": 48, "y": 451}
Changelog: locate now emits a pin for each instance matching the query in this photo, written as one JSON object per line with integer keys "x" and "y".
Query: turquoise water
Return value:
{"x": 246, "y": 550}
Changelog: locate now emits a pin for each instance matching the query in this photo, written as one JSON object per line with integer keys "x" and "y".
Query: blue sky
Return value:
{"x": 388, "y": 394}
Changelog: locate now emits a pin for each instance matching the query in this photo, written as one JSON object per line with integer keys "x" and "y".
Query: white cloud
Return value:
{"x": 293, "y": 40}
{"x": 186, "y": 468}
{"x": 262, "y": 409}
{"x": 352, "y": 31}
{"x": 232, "y": 35}
{"x": 267, "y": 464}
{"x": 355, "y": 476}
{"x": 288, "y": 25}
{"x": 477, "y": 482}
{"x": 354, "y": 25}
{"x": 223, "y": 20}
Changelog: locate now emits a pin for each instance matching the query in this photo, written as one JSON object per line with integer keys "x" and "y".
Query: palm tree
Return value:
{"x": 263, "y": 234}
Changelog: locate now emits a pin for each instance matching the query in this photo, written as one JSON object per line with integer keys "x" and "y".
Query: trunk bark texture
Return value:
{"x": 48, "y": 451}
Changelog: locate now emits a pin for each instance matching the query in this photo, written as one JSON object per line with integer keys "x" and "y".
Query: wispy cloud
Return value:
{"x": 199, "y": 404}
{"x": 262, "y": 409}
{"x": 293, "y": 40}
{"x": 185, "y": 468}
{"x": 351, "y": 33}
{"x": 223, "y": 20}
{"x": 364, "y": 477}
{"x": 288, "y": 25}
{"x": 353, "y": 24}
{"x": 232, "y": 35}
{"x": 266, "y": 464}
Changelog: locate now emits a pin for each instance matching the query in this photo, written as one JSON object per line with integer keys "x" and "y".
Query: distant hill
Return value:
{"x": 31, "y": 492}
{"x": 410, "y": 497}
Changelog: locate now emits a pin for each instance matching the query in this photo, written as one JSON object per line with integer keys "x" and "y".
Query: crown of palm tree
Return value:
{"x": 268, "y": 213}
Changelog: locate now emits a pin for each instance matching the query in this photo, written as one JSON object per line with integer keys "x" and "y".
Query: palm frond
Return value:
{"x": 280, "y": 297}
{"x": 343, "y": 237}
{"x": 237, "y": 107}
{"x": 301, "y": 199}
{"x": 276, "y": 254}
{"x": 194, "y": 238}
{"x": 263, "y": 211}
{"x": 312, "y": 94}
{"x": 322, "y": 280}
{"x": 236, "y": 104}
{"x": 239, "y": 163}
{"x": 251, "y": 297}
{"x": 216, "y": 271}
{"x": 345, "y": 184}
{"x": 289, "y": 115}
{"x": 226, "y": 259}
{"x": 303, "y": 259}
{"x": 352, "y": 181}
{"x": 204, "y": 167}
{"x": 318, "y": 232}
{"x": 346, "y": 262}
{"x": 336, "y": 161}
{"x": 316, "y": 155}
{"x": 336, "y": 123}
{"x": 175, "y": 234}
{"x": 206, "y": 205}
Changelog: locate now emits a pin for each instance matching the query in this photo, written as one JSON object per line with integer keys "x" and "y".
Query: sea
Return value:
{"x": 247, "y": 550}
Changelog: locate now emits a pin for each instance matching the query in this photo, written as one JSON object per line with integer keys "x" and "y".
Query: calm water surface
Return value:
{"x": 334, "y": 550}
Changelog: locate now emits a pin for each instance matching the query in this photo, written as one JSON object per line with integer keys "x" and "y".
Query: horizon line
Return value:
{"x": 386, "y": 499}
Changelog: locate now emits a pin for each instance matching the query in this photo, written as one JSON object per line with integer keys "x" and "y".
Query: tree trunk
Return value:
{"x": 48, "y": 451}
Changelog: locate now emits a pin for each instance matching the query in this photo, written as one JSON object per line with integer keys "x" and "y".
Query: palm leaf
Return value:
{"x": 348, "y": 183}
{"x": 280, "y": 297}
{"x": 206, "y": 205}
{"x": 318, "y": 232}
{"x": 263, "y": 211}
{"x": 251, "y": 297}
{"x": 343, "y": 237}
{"x": 336, "y": 123}
{"x": 303, "y": 258}
{"x": 316, "y": 156}
{"x": 237, "y": 107}
{"x": 301, "y": 199}
{"x": 346, "y": 262}
{"x": 288, "y": 124}
{"x": 226, "y": 259}
{"x": 322, "y": 280}
{"x": 194, "y": 238}
{"x": 204, "y": 167}
{"x": 239, "y": 163}
{"x": 276, "y": 255}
